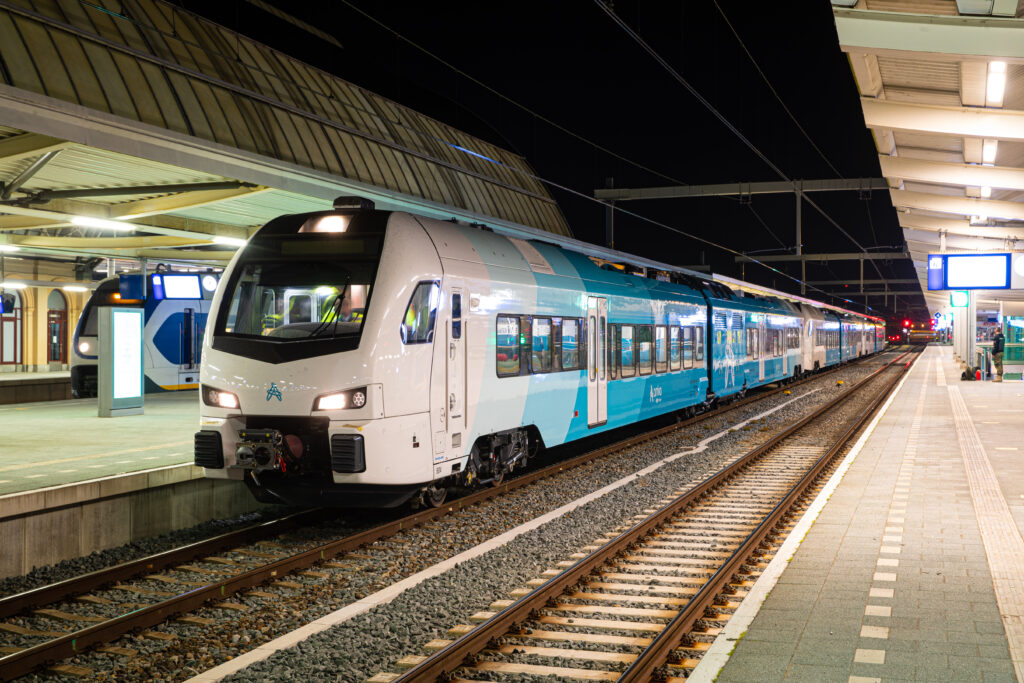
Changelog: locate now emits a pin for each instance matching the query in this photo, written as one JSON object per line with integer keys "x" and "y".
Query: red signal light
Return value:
{"x": 906, "y": 323}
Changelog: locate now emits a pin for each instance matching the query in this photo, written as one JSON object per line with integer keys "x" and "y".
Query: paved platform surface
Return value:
{"x": 914, "y": 570}
{"x": 61, "y": 442}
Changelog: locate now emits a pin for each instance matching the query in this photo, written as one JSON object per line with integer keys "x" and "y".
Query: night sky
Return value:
{"x": 567, "y": 61}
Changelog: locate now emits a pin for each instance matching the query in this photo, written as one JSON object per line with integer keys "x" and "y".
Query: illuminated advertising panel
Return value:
{"x": 127, "y": 353}
{"x": 977, "y": 271}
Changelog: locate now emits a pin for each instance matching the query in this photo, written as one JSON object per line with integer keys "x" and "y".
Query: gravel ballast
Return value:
{"x": 373, "y": 641}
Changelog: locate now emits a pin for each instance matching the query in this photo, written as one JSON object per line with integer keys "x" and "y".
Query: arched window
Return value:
{"x": 56, "y": 327}
{"x": 10, "y": 327}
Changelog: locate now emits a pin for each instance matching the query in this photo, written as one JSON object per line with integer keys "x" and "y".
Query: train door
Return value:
{"x": 188, "y": 349}
{"x": 597, "y": 359}
{"x": 456, "y": 368}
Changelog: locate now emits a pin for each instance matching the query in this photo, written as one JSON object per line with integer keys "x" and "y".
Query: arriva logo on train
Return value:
{"x": 655, "y": 394}
{"x": 273, "y": 391}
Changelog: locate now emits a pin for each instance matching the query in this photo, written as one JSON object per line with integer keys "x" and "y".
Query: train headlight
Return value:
{"x": 218, "y": 398}
{"x": 353, "y": 398}
{"x": 83, "y": 347}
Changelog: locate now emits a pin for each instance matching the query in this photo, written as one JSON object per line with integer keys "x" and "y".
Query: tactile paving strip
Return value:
{"x": 1004, "y": 546}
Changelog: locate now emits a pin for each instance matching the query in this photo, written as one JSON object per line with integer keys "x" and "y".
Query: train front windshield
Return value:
{"x": 294, "y": 285}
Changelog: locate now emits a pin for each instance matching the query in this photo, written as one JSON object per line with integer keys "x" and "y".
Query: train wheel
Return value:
{"x": 434, "y": 496}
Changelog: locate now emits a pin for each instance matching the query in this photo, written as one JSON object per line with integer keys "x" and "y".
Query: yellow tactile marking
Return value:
{"x": 1003, "y": 543}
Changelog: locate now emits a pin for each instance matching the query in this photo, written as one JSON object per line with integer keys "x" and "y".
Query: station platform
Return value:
{"x": 913, "y": 569}
{"x": 72, "y": 483}
{"x": 28, "y": 387}
{"x": 61, "y": 442}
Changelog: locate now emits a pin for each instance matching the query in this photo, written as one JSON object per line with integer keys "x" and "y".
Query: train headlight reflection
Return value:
{"x": 218, "y": 398}
{"x": 354, "y": 398}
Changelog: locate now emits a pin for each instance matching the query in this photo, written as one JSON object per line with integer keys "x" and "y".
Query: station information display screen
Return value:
{"x": 968, "y": 271}
{"x": 176, "y": 287}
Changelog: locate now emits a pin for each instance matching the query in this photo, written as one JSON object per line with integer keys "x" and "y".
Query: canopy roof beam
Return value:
{"x": 963, "y": 206}
{"x": 975, "y": 122}
{"x": 936, "y": 36}
{"x": 945, "y": 173}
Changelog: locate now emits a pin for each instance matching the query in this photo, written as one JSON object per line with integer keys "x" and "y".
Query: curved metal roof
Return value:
{"x": 152, "y": 62}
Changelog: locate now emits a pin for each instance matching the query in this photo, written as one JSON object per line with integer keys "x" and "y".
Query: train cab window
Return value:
{"x": 540, "y": 345}
{"x": 506, "y": 348}
{"x": 570, "y": 344}
{"x": 660, "y": 348}
{"x": 644, "y": 342}
{"x": 418, "y": 323}
{"x": 627, "y": 355}
{"x": 674, "y": 352}
{"x": 698, "y": 342}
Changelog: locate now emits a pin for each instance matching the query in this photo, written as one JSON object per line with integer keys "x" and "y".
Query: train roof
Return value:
{"x": 612, "y": 256}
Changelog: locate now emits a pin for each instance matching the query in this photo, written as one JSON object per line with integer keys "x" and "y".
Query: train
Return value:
{"x": 359, "y": 357}
{"x": 175, "y": 309}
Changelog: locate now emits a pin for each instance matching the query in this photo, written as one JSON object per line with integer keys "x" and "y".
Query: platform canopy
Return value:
{"x": 139, "y": 112}
{"x": 942, "y": 90}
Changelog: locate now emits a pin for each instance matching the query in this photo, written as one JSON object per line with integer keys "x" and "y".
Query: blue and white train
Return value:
{"x": 359, "y": 357}
{"x": 175, "y": 305}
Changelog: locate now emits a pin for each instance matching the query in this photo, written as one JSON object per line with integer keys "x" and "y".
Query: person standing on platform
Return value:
{"x": 998, "y": 341}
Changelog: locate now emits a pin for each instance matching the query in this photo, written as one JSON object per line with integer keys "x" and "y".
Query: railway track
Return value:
{"x": 59, "y": 621}
{"x": 645, "y": 602}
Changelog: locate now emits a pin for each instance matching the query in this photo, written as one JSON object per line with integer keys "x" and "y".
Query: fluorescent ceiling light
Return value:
{"x": 11, "y": 284}
{"x": 103, "y": 223}
{"x": 229, "y": 241}
{"x": 8, "y": 247}
{"x": 988, "y": 151}
{"x": 978, "y": 219}
{"x": 74, "y": 288}
{"x": 996, "y": 84}
{"x": 986, "y": 191}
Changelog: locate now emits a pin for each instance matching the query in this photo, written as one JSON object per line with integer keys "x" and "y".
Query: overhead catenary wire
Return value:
{"x": 510, "y": 100}
{"x": 575, "y": 135}
{"x": 646, "y": 47}
{"x": 775, "y": 93}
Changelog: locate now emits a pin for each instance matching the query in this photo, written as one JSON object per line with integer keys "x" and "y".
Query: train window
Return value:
{"x": 418, "y": 323}
{"x": 592, "y": 343}
{"x": 570, "y": 344}
{"x": 456, "y": 316}
{"x": 627, "y": 357}
{"x": 698, "y": 341}
{"x": 643, "y": 348}
{"x": 752, "y": 342}
{"x": 660, "y": 349}
{"x": 688, "y": 347}
{"x": 601, "y": 352}
{"x": 506, "y": 349}
{"x": 540, "y": 345}
{"x": 674, "y": 352}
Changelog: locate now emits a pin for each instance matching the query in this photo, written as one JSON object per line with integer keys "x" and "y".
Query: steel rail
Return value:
{"x": 440, "y": 665}
{"x": 13, "y": 604}
{"x": 648, "y": 665}
{"x": 74, "y": 643}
